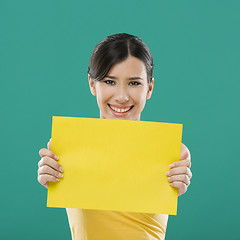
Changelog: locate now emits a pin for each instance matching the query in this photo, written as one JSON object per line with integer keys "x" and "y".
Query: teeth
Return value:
{"x": 120, "y": 110}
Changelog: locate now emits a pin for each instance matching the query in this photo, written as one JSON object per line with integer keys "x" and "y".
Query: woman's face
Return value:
{"x": 123, "y": 93}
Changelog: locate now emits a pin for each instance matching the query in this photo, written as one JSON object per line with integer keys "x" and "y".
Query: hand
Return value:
{"x": 180, "y": 174}
{"x": 49, "y": 169}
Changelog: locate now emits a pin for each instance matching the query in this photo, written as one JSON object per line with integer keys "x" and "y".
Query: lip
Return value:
{"x": 120, "y": 114}
{"x": 119, "y": 106}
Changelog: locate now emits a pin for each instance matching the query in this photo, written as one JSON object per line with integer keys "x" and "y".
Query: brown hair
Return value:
{"x": 116, "y": 48}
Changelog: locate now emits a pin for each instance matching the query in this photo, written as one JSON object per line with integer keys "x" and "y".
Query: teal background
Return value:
{"x": 45, "y": 47}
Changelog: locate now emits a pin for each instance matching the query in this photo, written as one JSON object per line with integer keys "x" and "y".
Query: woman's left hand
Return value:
{"x": 180, "y": 174}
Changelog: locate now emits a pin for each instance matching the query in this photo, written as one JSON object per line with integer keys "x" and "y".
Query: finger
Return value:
{"x": 44, "y": 178}
{"x": 179, "y": 184}
{"x": 50, "y": 162}
{"x": 45, "y": 169}
{"x": 46, "y": 152}
{"x": 49, "y": 144}
{"x": 181, "y": 178}
{"x": 182, "y": 187}
{"x": 184, "y": 162}
{"x": 179, "y": 170}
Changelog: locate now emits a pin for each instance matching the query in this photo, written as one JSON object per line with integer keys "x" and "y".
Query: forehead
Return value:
{"x": 130, "y": 67}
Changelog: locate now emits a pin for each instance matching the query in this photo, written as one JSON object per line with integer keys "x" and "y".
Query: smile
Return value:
{"x": 120, "y": 111}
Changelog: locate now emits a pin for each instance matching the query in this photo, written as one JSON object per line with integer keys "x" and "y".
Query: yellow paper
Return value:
{"x": 116, "y": 165}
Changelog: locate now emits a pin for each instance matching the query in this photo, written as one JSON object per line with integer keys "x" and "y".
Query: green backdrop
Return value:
{"x": 45, "y": 47}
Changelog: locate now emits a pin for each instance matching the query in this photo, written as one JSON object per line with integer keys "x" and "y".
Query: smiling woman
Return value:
{"x": 120, "y": 76}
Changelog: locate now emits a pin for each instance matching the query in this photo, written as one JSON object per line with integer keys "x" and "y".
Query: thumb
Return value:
{"x": 184, "y": 152}
{"x": 49, "y": 144}
{"x": 184, "y": 155}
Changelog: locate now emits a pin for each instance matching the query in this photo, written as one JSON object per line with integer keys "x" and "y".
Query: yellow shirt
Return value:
{"x": 89, "y": 224}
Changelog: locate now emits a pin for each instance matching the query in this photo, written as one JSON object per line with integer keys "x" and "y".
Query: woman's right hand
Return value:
{"x": 48, "y": 168}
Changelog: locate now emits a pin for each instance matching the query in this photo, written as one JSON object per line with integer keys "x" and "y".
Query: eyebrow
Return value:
{"x": 131, "y": 78}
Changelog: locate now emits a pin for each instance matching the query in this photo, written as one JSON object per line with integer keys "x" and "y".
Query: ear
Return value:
{"x": 92, "y": 85}
{"x": 149, "y": 93}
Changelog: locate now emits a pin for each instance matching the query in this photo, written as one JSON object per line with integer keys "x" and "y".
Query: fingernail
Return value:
{"x": 58, "y": 179}
{"x": 168, "y": 178}
{"x": 171, "y": 165}
{"x": 60, "y": 175}
{"x": 167, "y": 173}
{"x": 60, "y": 169}
{"x": 56, "y": 157}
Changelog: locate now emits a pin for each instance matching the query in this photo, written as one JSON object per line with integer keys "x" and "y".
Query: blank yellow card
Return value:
{"x": 116, "y": 165}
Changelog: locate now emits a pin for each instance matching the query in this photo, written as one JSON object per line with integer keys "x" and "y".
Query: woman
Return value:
{"x": 120, "y": 76}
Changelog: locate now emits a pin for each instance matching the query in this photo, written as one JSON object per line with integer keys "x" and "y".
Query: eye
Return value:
{"x": 109, "y": 81}
{"x": 135, "y": 83}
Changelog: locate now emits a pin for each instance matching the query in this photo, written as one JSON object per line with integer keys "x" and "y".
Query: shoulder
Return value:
{"x": 185, "y": 153}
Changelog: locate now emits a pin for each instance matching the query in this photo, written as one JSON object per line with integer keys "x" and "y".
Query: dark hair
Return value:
{"x": 116, "y": 48}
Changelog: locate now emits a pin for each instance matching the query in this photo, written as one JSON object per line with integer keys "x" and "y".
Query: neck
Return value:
{"x": 136, "y": 119}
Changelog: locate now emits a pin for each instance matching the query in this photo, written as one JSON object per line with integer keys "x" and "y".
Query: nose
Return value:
{"x": 121, "y": 95}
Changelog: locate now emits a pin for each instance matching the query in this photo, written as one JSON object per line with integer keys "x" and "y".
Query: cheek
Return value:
{"x": 140, "y": 100}
{"x": 103, "y": 94}
{"x": 139, "y": 96}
